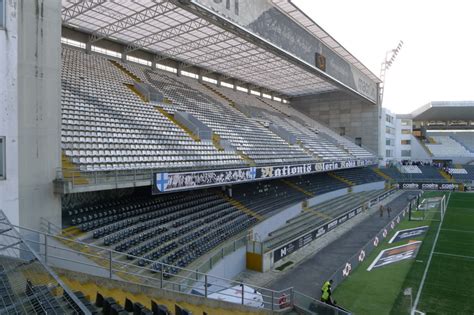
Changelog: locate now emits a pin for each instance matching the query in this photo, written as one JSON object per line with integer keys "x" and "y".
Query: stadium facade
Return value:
{"x": 269, "y": 49}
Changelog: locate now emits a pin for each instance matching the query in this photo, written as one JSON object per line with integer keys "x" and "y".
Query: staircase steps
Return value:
{"x": 71, "y": 171}
{"x": 342, "y": 179}
{"x": 177, "y": 123}
{"x": 126, "y": 71}
{"x": 381, "y": 174}
{"x": 298, "y": 188}
{"x": 241, "y": 207}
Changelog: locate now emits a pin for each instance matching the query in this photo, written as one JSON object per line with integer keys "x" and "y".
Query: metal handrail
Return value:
{"x": 116, "y": 268}
{"x": 28, "y": 249}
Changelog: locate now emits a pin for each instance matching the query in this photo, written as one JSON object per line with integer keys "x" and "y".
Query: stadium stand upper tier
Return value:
{"x": 451, "y": 144}
{"x": 107, "y": 125}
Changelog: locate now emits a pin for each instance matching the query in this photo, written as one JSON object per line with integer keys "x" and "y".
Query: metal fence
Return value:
{"x": 27, "y": 285}
{"x": 58, "y": 251}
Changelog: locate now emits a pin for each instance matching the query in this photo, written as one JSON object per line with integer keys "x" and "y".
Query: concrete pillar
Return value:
{"x": 88, "y": 47}
{"x": 9, "y": 194}
{"x": 39, "y": 110}
{"x": 235, "y": 85}
{"x": 179, "y": 68}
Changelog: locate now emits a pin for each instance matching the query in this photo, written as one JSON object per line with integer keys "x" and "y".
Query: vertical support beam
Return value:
{"x": 39, "y": 110}
{"x": 179, "y": 68}
{"x": 88, "y": 47}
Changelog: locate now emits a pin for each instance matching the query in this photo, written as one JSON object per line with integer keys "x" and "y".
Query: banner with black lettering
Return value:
{"x": 165, "y": 182}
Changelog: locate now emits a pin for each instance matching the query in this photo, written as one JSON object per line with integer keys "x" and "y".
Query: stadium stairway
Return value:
{"x": 274, "y": 108}
{"x": 381, "y": 174}
{"x": 341, "y": 179}
{"x": 71, "y": 171}
{"x": 446, "y": 176}
{"x": 240, "y": 206}
{"x": 295, "y": 186}
{"x": 125, "y": 70}
{"x": 216, "y": 92}
{"x": 177, "y": 123}
{"x": 120, "y": 292}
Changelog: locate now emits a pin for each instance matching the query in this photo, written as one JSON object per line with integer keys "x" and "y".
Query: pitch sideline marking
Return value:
{"x": 425, "y": 273}
{"x": 454, "y": 255}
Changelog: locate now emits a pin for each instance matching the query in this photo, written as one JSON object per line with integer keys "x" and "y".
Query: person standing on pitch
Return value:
{"x": 388, "y": 211}
{"x": 381, "y": 210}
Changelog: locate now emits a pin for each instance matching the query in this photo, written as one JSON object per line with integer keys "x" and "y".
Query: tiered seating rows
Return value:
{"x": 178, "y": 228}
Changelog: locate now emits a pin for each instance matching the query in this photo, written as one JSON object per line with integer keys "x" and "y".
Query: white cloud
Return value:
{"x": 437, "y": 60}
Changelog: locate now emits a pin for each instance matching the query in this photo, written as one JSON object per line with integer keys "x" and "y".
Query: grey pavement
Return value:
{"x": 308, "y": 276}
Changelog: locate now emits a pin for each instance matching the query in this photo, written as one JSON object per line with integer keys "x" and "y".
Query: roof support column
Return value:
{"x": 235, "y": 84}
{"x": 179, "y": 67}
{"x": 124, "y": 55}
{"x": 88, "y": 47}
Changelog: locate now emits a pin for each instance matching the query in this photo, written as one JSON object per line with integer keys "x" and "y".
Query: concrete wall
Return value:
{"x": 327, "y": 196}
{"x": 261, "y": 230}
{"x": 9, "y": 111}
{"x": 337, "y": 109}
{"x": 231, "y": 265}
{"x": 39, "y": 110}
{"x": 369, "y": 186}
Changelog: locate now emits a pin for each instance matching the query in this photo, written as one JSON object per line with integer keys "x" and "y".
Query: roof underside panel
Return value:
{"x": 171, "y": 31}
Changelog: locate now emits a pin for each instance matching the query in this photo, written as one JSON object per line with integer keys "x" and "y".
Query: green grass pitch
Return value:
{"x": 449, "y": 285}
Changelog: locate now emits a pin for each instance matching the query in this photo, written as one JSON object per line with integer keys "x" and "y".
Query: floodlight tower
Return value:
{"x": 390, "y": 57}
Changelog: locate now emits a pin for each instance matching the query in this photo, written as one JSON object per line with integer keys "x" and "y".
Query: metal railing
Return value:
{"x": 62, "y": 252}
{"x": 28, "y": 285}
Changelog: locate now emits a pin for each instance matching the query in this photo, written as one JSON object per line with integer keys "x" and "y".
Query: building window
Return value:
{"x": 406, "y": 153}
{"x": 210, "y": 80}
{"x": 3, "y": 158}
{"x": 166, "y": 68}
{"x": 358, "y": 141}
{"x": 189, "y": 74}
{"x": 71, "y": 42}
{"x": 388, "y": 142}
{"x": 405, "y": 142}
{"x": 406, "y": 131}
{"x": 406, "y": 122}
{"x": 388, "y": 153}
{"x": 2, "y": 13}
{"x": 227, "y": 85}
{"x": 139, "y": 60}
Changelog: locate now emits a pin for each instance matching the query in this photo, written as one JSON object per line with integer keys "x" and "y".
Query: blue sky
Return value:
{"x": 437, "y": 60}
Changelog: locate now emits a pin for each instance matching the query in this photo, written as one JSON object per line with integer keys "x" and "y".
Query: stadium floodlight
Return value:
{"x": 390, "y": 57}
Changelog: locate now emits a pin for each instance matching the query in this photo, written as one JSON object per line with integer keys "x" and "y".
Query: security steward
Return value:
{"x": 326, "y": 292}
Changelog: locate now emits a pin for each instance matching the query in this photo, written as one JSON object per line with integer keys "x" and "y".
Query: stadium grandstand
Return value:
{"x": 153, "y": 152}
{"x": 433, "y": 144}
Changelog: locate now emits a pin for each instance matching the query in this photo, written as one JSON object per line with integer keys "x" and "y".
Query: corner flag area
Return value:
{"x": 438, "y": 280}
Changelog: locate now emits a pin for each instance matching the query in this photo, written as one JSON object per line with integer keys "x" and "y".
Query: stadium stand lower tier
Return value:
{"x": 466, "y": 175}
{"x": 178, "y": 228}
{"x": 107, "y": 124}
{"x": 313, "y": 217}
